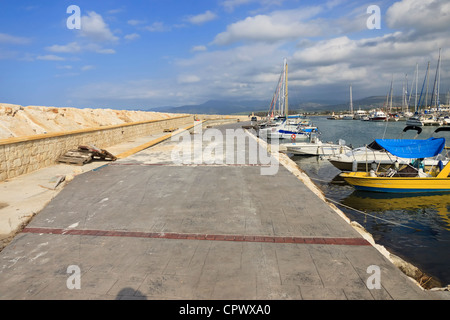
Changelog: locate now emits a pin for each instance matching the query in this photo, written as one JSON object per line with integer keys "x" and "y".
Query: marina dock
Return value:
{"x": 147, "y": 227}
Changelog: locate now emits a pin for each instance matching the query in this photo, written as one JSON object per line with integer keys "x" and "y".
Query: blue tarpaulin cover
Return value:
{"x": 410, "y": 148}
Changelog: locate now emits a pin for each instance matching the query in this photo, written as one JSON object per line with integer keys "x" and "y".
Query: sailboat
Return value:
{"x": 288, "y": 127}
{"x": 427, "y": 118}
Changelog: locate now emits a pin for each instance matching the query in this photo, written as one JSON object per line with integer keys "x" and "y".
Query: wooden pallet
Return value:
{"x": 75, "y": 157}
{"x": 85, "y": 154}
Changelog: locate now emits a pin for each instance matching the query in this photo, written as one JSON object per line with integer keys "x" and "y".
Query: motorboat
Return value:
{"x": 362, "y": 158}
{"x": 378, "y": 115}
{"x": 315, "y": 147}
{"x": 408, "y": 178}
{"x": 360, "y": 114}
{"x": 415, "y": 120}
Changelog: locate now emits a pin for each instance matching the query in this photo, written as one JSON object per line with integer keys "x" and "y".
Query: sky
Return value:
{"x": 153, "y": 53}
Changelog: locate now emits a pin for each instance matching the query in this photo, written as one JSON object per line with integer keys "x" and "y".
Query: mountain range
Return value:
{"x": 224, "y": 107}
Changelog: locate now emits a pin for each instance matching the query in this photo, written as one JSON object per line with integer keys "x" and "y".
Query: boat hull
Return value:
{"x": 363, "y": 181}
{"x": 317, "y": 149}
{"x": 378, "y": 119}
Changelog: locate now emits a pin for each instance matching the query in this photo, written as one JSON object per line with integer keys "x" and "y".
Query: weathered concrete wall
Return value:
{"x": 23, "y": 155}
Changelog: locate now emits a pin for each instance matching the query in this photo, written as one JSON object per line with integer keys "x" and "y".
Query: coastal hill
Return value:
{"x": 248, "y": 106}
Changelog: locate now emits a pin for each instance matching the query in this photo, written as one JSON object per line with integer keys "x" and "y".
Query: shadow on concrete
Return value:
{"x": 130, "y": 294}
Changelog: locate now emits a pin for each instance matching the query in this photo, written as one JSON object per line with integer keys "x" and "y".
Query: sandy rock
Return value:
{"x": 17, "y": 121}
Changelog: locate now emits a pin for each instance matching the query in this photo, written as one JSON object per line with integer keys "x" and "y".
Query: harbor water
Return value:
{"x": 415, "y": 227}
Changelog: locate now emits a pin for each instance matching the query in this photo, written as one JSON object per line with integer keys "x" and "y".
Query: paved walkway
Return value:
{"x": 146, "y": 228}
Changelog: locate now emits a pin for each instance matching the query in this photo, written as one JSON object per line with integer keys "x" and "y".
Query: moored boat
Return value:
{"x": 410, "y": 178}
{"x": 378, "y": 115}
{"x": 315, "y": 147}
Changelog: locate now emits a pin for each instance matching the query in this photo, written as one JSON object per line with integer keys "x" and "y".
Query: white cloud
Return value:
{"x": 198, "y": 48}
{"x": 94, "y": 27}
{"x": 50, "y": 57}
{"x": 135, "y": 22}
{"x": 202, "y": 18}
{"x": 420, "y": 15}
{"x": 132, "y": 36}
{"x": 135, "y": 91}
{"x": 71, "y": 47}
{"x": 184, "y": 79}
{"x": 105, "y": 51}
{"x": 279, "y": 25}
{"x": 9, "y": 39}
{"x": 157, "y": 27}
{"x": 230, "y": 5}
{"x": 87, "y": 67}
{"x": 114, "y": 11}
{"x": 75, "y": 47}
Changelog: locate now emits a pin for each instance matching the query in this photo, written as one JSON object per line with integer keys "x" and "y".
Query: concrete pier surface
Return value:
{"x": 160, "y": 224}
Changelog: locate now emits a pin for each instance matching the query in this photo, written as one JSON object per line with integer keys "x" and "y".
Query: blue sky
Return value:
{"x": 150, "y": 53}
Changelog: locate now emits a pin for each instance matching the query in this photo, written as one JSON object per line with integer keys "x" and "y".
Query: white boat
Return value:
{"x": 298, "y": 132}
{"x": 431, "y": 120}
{"x": 333, "y": 117}
{"x": 378, "y": 115}
{"x": 363, "y": 158}
{"x": 360, "y": 114}
{"x": 415, "y": 120}
{"x": 315, "y": 147}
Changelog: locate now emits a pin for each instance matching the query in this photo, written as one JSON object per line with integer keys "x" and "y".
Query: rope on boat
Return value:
{"x": 375, "y": 217}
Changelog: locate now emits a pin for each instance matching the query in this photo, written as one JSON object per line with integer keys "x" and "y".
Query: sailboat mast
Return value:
{"x": 439, "y": 79}
{"x": 417, "y": 79}
{"x": 286, "y": 93}
{"x": 392, "y": 89}
{"x": 428, "y": 81}
{"x": 435, "y": 85}
{"x": 351, "y": 100}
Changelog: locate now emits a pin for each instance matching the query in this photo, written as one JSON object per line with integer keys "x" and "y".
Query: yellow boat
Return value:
{"x": 364, "y": 181}
{"x": 400, "y": 181}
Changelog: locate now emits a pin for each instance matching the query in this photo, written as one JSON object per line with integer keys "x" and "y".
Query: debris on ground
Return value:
{"x": 85, "y": 154}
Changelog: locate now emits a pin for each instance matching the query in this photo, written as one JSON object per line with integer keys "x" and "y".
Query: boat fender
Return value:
{"x": 372, "y": 173}
{"x": 354, "y": 165}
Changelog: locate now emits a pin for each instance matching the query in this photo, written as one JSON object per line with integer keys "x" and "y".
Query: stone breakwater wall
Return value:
{"x": 21, "y": 155}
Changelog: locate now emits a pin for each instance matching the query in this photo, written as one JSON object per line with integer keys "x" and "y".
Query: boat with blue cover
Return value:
{"x": 408, "y": 178}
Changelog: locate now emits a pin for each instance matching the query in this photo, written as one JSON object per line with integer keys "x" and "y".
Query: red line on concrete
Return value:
{"x": 196, "y": 236}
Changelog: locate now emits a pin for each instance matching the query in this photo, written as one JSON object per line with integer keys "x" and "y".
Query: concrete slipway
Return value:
{"x": 145, "y": 227}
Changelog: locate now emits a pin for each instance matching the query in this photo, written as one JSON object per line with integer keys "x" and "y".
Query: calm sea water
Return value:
{"x": 423, "y": 236}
